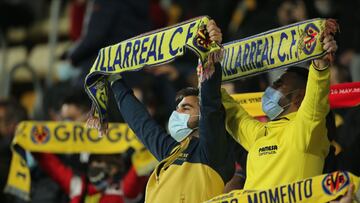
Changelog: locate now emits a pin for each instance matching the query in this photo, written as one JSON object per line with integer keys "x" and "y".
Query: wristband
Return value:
{"x": 320, "y": 69}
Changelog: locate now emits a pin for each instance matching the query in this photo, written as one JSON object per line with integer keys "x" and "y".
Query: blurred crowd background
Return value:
{"x": 48, "y": 46}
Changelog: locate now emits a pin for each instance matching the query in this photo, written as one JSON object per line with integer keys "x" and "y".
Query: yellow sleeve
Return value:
{"x": 240, "y": 125}
{"x": 311, "y": 116}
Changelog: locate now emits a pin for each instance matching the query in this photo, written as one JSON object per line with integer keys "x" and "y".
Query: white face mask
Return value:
{"x": 270, "y": 102}
{"x": 178, "y": 126}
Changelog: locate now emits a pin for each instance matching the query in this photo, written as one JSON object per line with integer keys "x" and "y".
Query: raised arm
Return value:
{"x": 212, "y": 115}
{"x": 58, "y": 171}
{"x": 151, "y": 134}
{"x": 240, "y": 125}
{"x": 315, "y": 105}
{"x": 213, "y": 138}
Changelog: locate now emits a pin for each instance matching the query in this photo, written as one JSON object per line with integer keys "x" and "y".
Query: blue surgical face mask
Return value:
{"x": 178, "y": 126}
{"x": 270, "y": 103}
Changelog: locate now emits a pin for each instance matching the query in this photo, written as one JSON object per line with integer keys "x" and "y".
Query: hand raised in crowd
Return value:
{"x": 348, "y": 197}
{"x": 330, "y": 46}
{"x": 214, "y": 32}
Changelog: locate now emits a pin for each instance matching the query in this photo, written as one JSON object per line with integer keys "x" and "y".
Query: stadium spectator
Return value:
{"x": 297, "y": 105}
{"x": 107, "y": 180}
{"x": 11, "y": 113}
{"x": 196, "y": 159}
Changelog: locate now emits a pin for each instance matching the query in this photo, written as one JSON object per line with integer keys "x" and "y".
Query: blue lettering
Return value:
{"x": 161, "y": 55}
{"x": 172, "y": 51}
{"x": 299, "y": 187}
{"x": 238, "y": 59}
{"x": 227, "y": 52}
{"x": 291, "y": 192}
{"x": 259, "y": 63}
{"x": 252, "y": 52}
{"x": 126, "y": 54}
{"x": 152, "y": 50}
{"x": 263, "y": 197}
{"x": 98, "y": 60}
{"x": 232, "y": 66}
{"x": 109, "y": 68}
{"x": 255, "y": 200}
{"x": 102, "y": 60}
{"x": 117, "y": 61}
{"x": 246, "y": 53}
{"x": 143, "y": 50}
{"x": 231, "y": 58}
{"x": 265, "y": 53}
{"x": 189, "y": 34}
{"x": 282, "y": 36}
{"x": 272, "y": 60}
{"x": 282, "y": 193}
{"x": 308, "y": 188}
{"x": 224, "y": 62}
{"x": 136, "y": 48}
{"x": 274, "y": 198}
{"x": 293, "y": 42}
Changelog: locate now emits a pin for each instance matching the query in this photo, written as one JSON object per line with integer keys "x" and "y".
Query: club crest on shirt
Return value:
{"x": 335, "y": 182}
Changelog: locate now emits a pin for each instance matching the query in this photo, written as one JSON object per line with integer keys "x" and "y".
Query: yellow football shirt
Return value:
{"x": 291, "y": 148}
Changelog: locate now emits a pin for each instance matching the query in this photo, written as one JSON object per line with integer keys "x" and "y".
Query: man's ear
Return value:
{"x": 298, "y": 97}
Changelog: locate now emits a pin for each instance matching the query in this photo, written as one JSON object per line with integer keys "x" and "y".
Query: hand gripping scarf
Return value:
{"x": 153, "y": 48}
{"x": 267, "y": 51}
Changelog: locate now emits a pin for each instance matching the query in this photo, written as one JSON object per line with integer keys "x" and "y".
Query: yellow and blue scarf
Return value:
{"x": 319, "y": 189}
{"x": 153, "y": 48}
{"x": 69, "y": 137}
{"x": 267, "y": 51}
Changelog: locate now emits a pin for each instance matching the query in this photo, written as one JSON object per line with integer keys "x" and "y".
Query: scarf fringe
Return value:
{"x": 94, "y": 122}
{"x": 206, "y": 71}
{"x": 331, "y": 27}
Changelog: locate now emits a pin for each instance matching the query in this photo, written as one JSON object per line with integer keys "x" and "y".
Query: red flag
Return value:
{"x": 344, "y": 95}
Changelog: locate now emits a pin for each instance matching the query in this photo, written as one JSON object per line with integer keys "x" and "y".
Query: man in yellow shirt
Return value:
{"x": 294, "y": 144}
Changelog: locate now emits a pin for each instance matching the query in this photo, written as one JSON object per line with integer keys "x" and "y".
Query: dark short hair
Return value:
{"x": 79, "y": 99}
{"x": 189, "y": 91}
{"x": 301, "y": 72}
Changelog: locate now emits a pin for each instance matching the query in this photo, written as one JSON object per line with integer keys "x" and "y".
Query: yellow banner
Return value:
{"x": 348, "y": 92}
{"x": 69, "y": 137}
{"x": 251, "y": 102}
{"x": 277, "y": 48}
{"x": 72, "y": 137}
{"x": 319, "y": 189}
